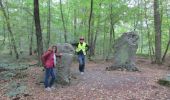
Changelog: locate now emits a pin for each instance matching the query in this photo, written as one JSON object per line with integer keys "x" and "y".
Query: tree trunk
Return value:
{"x": 97, "y": 32}
{"x": 38, "y": 31}
{"x": 148, "y": 34}
{"x": 31, "y": 39}
{"x": 48, "y": 24}
{"x": 157, "y": 26}
{"x": 89, "y": 29}
{"x": 167, "y": 47}
{"x": 62, "y": 16}
{"x": 92, "y": 38}
{"x": 10, "y": 31}
{"x": 104, "y": 45}
{"x": 111, "y": 32}
{"x": 75, "y": 25}
{"x": 4, "y": 33}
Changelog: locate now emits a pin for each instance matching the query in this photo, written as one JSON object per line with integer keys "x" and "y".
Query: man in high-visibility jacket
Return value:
{"x": 81, "y": 48}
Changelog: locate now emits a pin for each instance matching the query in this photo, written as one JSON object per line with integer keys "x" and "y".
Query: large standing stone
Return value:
{"x": 64, "y": 63}
{"x": 125, "y": 49}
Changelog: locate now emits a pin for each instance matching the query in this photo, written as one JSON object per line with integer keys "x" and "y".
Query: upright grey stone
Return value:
{"x": 64, "y": 63}
{"x": 125, "y": 48}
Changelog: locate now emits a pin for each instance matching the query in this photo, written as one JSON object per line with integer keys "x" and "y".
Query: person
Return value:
{"x": 49, "y": 63}
{"x": 81, "y": 48}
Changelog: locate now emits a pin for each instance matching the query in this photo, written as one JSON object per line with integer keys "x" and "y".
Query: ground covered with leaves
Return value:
{"x": 95, "y": 84}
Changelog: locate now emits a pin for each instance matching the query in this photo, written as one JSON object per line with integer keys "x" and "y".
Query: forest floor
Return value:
{"x": 97, "y": 84}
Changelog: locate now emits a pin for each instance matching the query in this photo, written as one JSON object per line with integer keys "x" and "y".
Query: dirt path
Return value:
{"x": 98, "y": 84}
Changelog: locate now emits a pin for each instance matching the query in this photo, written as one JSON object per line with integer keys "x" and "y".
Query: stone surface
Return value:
{"x": 167, "y": 77}
{"x": 165, "y": 81}
{"x": 125, "y": 48}
{"x": 64, "y": 63}
{"x": 65, "y": 48}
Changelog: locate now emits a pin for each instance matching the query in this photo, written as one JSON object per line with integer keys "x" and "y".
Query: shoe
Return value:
{"x": 53, "y": 88}
{"x": 48, "y": 89}
{"x": 82, "y": 73}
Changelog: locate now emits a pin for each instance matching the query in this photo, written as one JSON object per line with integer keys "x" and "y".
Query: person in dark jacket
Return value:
{"x": 81, "y": 48}
{"x": 49, "y": 62}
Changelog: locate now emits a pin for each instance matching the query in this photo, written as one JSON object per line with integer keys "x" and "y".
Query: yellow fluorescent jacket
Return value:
{"x": 81, "y": 47}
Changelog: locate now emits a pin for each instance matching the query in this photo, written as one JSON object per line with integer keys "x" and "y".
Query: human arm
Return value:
{"x": 87, "y": 47}
{"x": 59, "y": 55}
{"x": 45, "y": 56}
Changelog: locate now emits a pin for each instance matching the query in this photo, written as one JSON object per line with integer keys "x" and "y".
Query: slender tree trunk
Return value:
{"x": 48, "y": 24}
{"x": 141, "y": 26}
{"x": 166, "y": 50}
{"x": 157, "y": 25}
{"x": 62, "y": 16}
{"x": 167, "y": 47}
{"x": 38, "y": 30}
{"x": 10, "y": 31}
{"x": 89, "y": 29}
{"x": 75, "y": 25}
{"x": 4, "y": 32}
{"x": 111, "y": 32}
{"x": 148, "y": 34}
{"x": 104, "y": 45}
{"x": 92, "y": 38}
{"x": 137, "y": 15}
{"x": 96, "y": 35}
{"x": 31, "y": 39}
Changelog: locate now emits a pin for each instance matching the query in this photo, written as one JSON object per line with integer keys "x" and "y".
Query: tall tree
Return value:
{"x": 31, "y": 38}
{"x": 48, "y": 23}
{"x": 10, "y": 30}
{"x": 38, "y": 30}
{"x": 75, "y": 24}
{"x": 62, "y": 16}
{"x": 112, "y": 33}
{"x": 148, "y": 31}
{"x": 167, "y": 46}
{"x": 157, "y": 26}
{"x": 89, "y": 28}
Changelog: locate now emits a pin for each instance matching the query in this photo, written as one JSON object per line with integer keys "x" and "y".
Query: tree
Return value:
{"x": 48, "y": 23}
{"x": 62, "y": 16}
{"x": 89, "y": 27}
{"x": 10, "y": 31}
{"x": 38, "y": 31}
{"x": 167, "y": 47}
{"x": 157, "y": 26}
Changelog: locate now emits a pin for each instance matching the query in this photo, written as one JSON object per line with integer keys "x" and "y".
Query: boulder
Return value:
{"x": 125, "y": 48}
{"x": 64, "y": 63}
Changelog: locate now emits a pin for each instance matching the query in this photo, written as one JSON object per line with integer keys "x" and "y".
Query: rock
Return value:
{"x": 65, "y": 48}
{"x": 165, "y": 81}
{"x": 125, "y": 48}
{"x": 64, "y": 63}
{"x": 168, "y": 77}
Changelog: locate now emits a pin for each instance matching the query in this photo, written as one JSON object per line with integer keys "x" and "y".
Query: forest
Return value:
{"x": 29, "y": 27}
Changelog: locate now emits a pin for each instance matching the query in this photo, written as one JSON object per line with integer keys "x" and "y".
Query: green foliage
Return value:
{"x": 164, "y": 82}
{"x": 126, "y": 16}
{"x": 6, "y": 75}
{"x": 15, "y": 89}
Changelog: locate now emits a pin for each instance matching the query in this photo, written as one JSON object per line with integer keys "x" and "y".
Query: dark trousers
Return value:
{"x": 49, "y": 72}
{"x": 81, "y": 59}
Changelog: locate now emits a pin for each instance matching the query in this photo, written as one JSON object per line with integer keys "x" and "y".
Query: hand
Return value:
{"x": 60, "y": 54}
